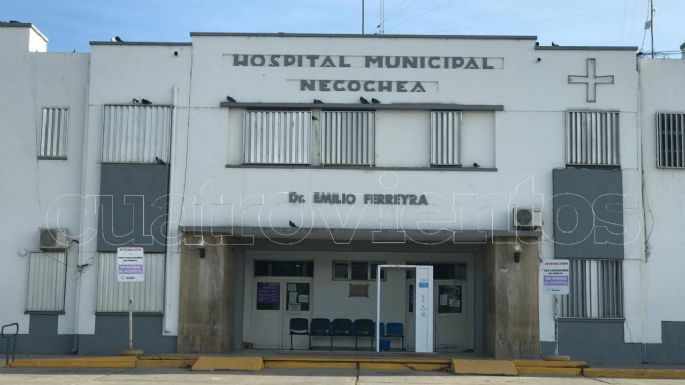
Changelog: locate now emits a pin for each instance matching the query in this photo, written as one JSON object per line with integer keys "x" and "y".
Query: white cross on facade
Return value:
{"x": 591, "y": 80}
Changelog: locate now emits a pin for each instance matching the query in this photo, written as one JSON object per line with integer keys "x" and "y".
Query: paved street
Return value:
{"x": 280, "y": 377}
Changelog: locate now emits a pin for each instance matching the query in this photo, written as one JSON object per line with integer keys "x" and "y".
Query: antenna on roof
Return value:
{"x": 651, "y": 24}
{"x": 381, "y": 25}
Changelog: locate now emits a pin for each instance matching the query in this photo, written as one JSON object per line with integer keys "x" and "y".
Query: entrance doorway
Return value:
{"x": 453, "y": 307}
{"x": 282, "y": 290}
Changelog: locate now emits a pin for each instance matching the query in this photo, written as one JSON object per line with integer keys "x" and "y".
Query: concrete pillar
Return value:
{"x": 206, "y": 305}
{"x": 511, "y": 299}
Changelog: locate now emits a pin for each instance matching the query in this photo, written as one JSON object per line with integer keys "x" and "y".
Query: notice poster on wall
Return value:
{"x": 555, "y": 276}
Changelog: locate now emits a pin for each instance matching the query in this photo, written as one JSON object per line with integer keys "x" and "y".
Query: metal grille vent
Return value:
{"x": 276, "y": 137}
{"x": 347, "y": 137}
{"x": 592, "y": 138}
{"x": 53, "y": 133}
{"x": 445, "y": 132}
{"x": 136, "y": 134}
{"x": 596, "y": 289}
{"x": 670, "y": 140}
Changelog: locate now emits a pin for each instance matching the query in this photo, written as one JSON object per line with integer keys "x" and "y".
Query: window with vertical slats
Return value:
{"x": 670, "y": 152}
{"x": 148, "y": 296}
{"x": 53, "y": 133}
{"x": 276, "y": 137}
{"x": 445, "y": 138}
{"x": 595, "y": 289}
{"x": 347, "y": 137}
{"x": 47, "y": 278}
{"x": 136, "y": 133}
{"x": 592, "y": 138}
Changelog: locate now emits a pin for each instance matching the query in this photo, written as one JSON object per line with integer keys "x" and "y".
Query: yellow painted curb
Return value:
{"x": 77, "y": 362}
{"x": 550, "y": 364}
{"x": 402, "y": 360}
{"x": 309, "y": 365}
{"x": 484, "y": 367}
{"x": 635, "y": 373}
{"x": 169, "y": 357}
{"x": 548, "y": 371}
{"x": 428, "y": 367}
{"x": 160, "y": 363}
{"x": 382, "y": 366}
{"x": 251, "y": 364}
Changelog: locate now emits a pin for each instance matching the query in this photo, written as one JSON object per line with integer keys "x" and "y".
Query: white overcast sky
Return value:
{"x": 71, "y": 24}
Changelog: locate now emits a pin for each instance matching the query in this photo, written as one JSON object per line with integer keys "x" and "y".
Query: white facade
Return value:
{"x": 513, "y": 134}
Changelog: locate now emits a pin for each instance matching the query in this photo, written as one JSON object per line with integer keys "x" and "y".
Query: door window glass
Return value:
{"x": 298, "y": 297}
{"x": 268, "y": 296}
{"x": 449, "y": 299}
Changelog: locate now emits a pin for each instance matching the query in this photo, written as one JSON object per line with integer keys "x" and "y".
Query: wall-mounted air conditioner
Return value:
{"x": 195, "y": 241}
{"x": 52, "y": 239}
{"x": 527, "y": 218}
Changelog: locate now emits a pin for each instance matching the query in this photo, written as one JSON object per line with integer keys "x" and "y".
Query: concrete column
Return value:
{"x": 206, "y": 305}
{"x": 511, "y": 299}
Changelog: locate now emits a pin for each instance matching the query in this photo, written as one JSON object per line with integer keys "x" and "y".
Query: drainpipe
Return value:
{"x": 170, "y": 247}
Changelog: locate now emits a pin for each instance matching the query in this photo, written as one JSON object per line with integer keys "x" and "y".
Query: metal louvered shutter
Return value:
{"x": 347, "y": 137}
{"x": 53, "y": 133}
{"x": 148, "y": 296}
{"x": 47, "y": 279}
{"x": 276, "y": 137}
{"x": 592, "y": 138}
{"x": 136, "y": 134}
{"x": 445, "y": 138}
{"x": 670, "y": 140}
{"x": 596, "y": 289}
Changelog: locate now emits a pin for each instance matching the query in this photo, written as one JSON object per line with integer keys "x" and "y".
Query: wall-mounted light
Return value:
{"x": 517, "y": 252}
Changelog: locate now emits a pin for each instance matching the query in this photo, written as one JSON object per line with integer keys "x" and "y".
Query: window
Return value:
{"x": 148, "y": 296}
{"x": 136, "y": 134}
{"x": 592, "y": 138}
{"x": 276, "y": 137}
{"x": 445, "y": 140}
{"x": 53, "y": 133}
{"x": 341, "y": 270}
{"x": 596, "y": 289}
{"x": 283, "y": 269}
{"x": 669, "y": 137}
{"x": 356, "y": 271}
{"x": 445, "y": 271}
{"x": 360, "y": 271}
{"x": 347, "y": 137}
{"x": 47, "y": 278}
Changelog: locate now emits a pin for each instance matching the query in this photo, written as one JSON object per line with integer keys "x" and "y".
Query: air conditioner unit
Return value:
{"x": 527, "y": 218}
{"x": 195, "y": 241}
{"x": 52, "y": 239}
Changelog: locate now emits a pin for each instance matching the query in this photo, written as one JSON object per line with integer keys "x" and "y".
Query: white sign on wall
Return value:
{"x": 555, "y": 276}
{"x": 130, "y": 264}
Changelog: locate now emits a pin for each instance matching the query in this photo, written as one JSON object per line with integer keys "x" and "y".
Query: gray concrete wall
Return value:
{"x": 133, "y": 206}
{"x": 43, "y": 337}
{"x": 511, "y": 295}
{"x": 588, "y": 214}
{"x": 207, "y": 300}
{"x": 603, "y": 342}
{"x": 111, "y": 335}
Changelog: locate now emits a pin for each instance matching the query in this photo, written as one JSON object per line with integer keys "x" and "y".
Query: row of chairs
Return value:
{"x": 343, "y": 327}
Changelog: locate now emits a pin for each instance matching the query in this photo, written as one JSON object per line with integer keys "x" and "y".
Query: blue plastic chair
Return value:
{"x": 395, "y": 329}
{"x": 320, "y": 327}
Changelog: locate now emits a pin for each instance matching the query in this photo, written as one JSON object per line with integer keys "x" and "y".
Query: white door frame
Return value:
{"x": 417, "y": 314}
